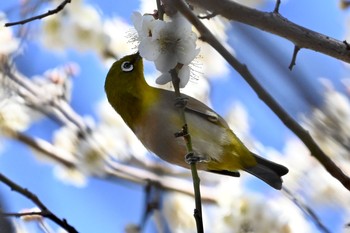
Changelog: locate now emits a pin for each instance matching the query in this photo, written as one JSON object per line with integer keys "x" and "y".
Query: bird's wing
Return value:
{"x": 204, "y": 111}
{"x": 194, "y": 106}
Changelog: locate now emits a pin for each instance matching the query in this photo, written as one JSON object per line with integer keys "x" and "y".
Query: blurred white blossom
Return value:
{"x": 66, "y": 138}
{"x": 52, "y": 33}
{"x": 242, "y": 211}
{"x": 330, "y": 124}
{"x": 14, "y": 114}
{"x": 8, "y": 43}
{"x": 119, "y": 35}
{"x": 251, "y": 214}
{"x": 305, "y": 174}
{"x": 110, "y": 139}
{"x": 289, "y": 215}
{"x": 238, "y": 120}
{"x": 20, "y": 227}
{"x": 57, "y": 82}
{"x": 299, "y": 161}
{"x": 178, "y": 212}
{"x": 199, "y": 88}
{"x": 70, "y": 176}
{"x": 83, "y": 24}
{"x": 88, "y": 149}
{"x": 213, "y": 64}
{"x": 120, "y": 142}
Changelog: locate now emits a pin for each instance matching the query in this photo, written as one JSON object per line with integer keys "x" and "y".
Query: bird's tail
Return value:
{"x": 268, "y": 171}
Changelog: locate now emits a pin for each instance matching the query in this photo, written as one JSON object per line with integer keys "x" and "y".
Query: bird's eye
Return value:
{"x": 127, "y": 66}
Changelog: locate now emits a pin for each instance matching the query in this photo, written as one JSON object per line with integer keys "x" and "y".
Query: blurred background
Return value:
{"x": 65, "y": 58}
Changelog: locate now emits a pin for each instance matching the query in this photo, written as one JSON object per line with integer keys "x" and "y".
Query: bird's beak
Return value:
{"x": 137, "y": 57}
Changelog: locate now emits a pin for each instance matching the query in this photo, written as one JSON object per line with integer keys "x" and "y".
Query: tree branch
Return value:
{"x": 48, "y": 13}
{"x": 242, "y": 69}
{"x": 31, "y": 196}
{"x": 278, "y": 25}
{"x": 44, "y": 147}
{"x": 190, "y": 157}
{"x": 166, "y": 182}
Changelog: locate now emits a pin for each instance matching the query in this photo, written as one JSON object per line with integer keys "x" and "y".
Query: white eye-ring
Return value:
{"x": 127, "y": 66}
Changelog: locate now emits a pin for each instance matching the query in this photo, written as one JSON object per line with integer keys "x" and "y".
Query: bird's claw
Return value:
{"x": 180, "y": 102}
{"x": 182, "y": 133}
{"x": 191, "y": 158}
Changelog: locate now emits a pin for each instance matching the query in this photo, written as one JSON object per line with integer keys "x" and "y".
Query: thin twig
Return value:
{"x": 346, "y": 44}
{"x": 277, "y": 7}
{"x": 344, "y": 4}
{"x": 160, "y": 12}
{"x": 242, "y": 69}
{"x": 25, "y": 214}
{"x": 187, "y": 137}
{"x": 151, "y": 204}
{"x": 294, "y": 57}
{"x": 48, "y": 13}
{"x": 31, "y": 196}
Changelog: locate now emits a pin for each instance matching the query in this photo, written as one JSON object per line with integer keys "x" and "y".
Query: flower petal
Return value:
{"x": 136, "y": 19}
{"x": 184, "y": 76}
{"x": 149, "y": 49}
{"x": 163, "y": 78}
{"x": 166, "y": 62}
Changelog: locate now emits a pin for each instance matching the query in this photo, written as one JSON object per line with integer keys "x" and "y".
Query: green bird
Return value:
{"x": 152, "y": 115}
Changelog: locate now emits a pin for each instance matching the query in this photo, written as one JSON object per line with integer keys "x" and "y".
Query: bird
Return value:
{"x": 151, "y": 113}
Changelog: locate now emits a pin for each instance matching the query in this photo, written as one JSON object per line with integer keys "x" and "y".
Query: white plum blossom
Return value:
{"x": 119, "y": 141}
{"x": 239, "y": 210}
{"x": 83, "y": 24}
{"x": 167, "y": 43}
{"x": 119, "y": 35}
{"x": 177, "y": 209}
{"x": 8, "y": 43}
{"x": 14, "y": 115}
{"x": 89, "y": 150}
{"x": 329, "y": 124}
{"x": 184, "y": 76}
{"x": 70, "y": 176}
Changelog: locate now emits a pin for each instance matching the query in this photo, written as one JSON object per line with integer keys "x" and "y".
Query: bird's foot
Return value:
{"x": 180, "y": 102}
{"x": 183, "y": 132}
{"x": 191, "y": 158}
